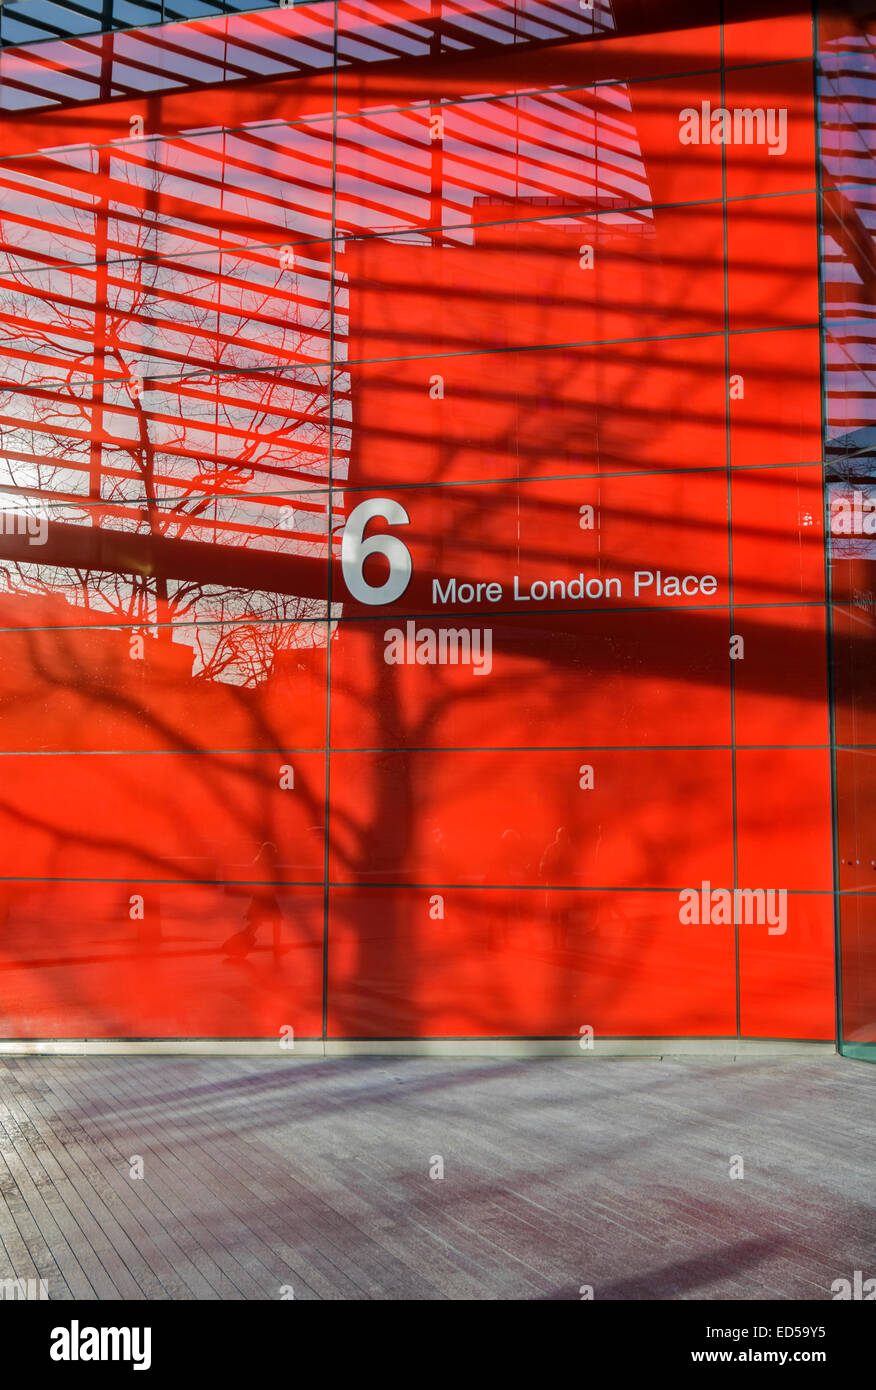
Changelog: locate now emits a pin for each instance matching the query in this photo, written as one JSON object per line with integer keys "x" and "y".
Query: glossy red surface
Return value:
{"x": 628, "y": 679}
{"x": 858, "y": 964}
{"x": 126, "y": 690}
{"x": 628, "y": 407}
{"x": 784, "y": 161}
{"x": 523, "y": 963}
{"x": 135, "y": 959}
{"x": 213, "y": 816}
{"x": 772, "y": 262}
{"x": 784, "y": 986}
{"x": 433, "y": 817}
{"x": 775, "y": 412}
{"x": 779, "y": 509}
{"x": 780, "y": 684}
{"x": 589, "y": 542}
{"x": 478, "y": 278}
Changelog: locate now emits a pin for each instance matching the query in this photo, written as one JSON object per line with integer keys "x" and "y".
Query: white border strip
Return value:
{"x": 654, "y": 1048}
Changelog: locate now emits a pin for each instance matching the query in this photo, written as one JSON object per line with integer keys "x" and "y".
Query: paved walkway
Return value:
{"x": 314, "y": 1177}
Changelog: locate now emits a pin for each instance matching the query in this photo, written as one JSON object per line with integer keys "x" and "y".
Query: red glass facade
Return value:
{"x": 413, "y": 570}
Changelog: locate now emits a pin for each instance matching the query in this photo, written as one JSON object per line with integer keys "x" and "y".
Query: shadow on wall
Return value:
{"x": 567, "y": 375}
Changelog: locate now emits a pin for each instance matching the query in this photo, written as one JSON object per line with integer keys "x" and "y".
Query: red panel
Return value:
{"x": 549, "y": 546}
{"x": 478, "y": 163}
{"x": 523, "y": 284}
{"x": 160, "y": 816}
{"x": 775, "y": 153}
{"x": 858, "y": 956}
{"x": 632, "y": 406}
{"x": 856, "y": 805}
{"x": 677, "y": 173}
{"x": 160, "y": 960}
{"x": 165, "y": 409}
{"x": 784, "y": 818}
{"x": 781, "y": 682}
{"x": 777, "y": 419}
{"x": 772, "y": 257}
{"x": 778, "y": 535}
{"x": 787, "y": 979}
{"x": 247, "y": 593}
{"x": 111, "y": 689}
{"x": 854, "y": 648}
{"x": 634, "y": 679}
{"x": 512, "y": 963}
{"x": 445, "y": 817}
{"x": 750, "y": 36}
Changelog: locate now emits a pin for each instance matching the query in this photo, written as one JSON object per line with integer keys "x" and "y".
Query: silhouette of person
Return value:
{"x": 510, "y": 860}
{"x": 263, "y": 908}
{"x": 507, "y": 869}
{"x": 558, "y": 867}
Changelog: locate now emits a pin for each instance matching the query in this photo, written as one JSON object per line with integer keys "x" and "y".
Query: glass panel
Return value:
{"x": 847, "y": 91}
{"x": 413, "y": 536}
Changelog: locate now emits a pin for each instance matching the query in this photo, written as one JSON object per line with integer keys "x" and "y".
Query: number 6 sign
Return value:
{"x": 355, "y": 550}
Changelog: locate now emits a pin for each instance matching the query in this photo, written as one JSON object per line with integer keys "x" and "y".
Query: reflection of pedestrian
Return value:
{"x": 238, "y": 946}
{"x": 557, "y": 867}
{"x": 439, "y": 853}
{"x": 507, "y": 869}
{"x": 263, "y": 907}
{"x": 510, "y": 865}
